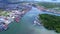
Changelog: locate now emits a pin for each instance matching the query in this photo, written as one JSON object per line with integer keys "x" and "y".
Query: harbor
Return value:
{"x": 13, "y": 15}
{"x": 23, "y": 19}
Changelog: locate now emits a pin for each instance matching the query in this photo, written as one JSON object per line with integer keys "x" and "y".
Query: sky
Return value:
{"x": 49, "y": 0}
{"x": 34, "y": 0}
{"x": 46, "y": 0}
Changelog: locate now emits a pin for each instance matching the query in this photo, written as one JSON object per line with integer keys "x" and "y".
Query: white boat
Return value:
{"x": 35, "y": 23}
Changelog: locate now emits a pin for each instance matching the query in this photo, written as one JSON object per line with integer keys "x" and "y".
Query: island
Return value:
{"x": 50, "y": 22}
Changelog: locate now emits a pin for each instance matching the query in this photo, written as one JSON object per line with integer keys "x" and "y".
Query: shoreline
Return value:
{"x": 47, "y": 10}
{"x": 14, "y": 15}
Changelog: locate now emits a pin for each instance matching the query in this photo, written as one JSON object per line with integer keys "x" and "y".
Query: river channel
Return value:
{"x": 27, "y": 23}
{"x": 25, "y": 26}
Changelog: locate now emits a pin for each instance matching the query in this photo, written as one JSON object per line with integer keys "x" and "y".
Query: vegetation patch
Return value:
{"x": 51, "y": 22}
{"x": 4, "y": 13}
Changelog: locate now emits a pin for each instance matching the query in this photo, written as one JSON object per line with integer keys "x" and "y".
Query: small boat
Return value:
{"x": 17, "y": 19}
{"x": 36, "y": 23}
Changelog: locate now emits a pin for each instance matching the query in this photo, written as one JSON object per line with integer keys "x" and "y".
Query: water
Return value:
{"x": 29, "y": 28}
{"x": 25, "y": 26}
